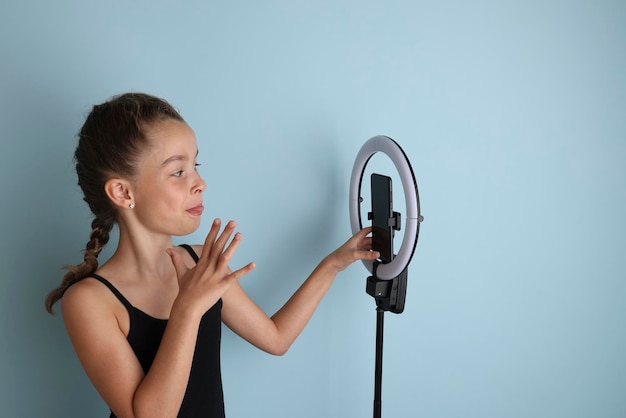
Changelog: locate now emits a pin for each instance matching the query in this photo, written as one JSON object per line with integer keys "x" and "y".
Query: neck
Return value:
{"x": 142, "y": 255}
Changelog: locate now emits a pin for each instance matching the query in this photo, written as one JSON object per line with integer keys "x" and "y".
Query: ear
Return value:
{"x": 119, "y": 191}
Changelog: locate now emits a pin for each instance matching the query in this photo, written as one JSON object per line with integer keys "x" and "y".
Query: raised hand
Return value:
{"x": 204, "y": 284}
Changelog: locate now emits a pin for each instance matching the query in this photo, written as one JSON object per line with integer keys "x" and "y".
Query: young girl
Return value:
{"x": 146, "y": 324}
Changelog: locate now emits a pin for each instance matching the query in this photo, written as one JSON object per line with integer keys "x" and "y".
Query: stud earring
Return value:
{"x": 132, "y": 206}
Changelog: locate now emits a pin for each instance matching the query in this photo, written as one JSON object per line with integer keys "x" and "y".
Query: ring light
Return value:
{"x": 391, "y": 148}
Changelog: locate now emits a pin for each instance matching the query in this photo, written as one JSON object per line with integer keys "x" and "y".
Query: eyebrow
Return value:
{"x": 177, "y": 157}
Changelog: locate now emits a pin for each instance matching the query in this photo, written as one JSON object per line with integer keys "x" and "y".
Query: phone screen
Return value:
{"x": 382, "y": 212}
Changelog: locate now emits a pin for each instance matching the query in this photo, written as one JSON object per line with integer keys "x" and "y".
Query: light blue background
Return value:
{"x": 513, "y": 115}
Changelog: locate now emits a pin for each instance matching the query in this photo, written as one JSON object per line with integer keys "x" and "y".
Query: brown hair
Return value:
{"x": 110, "y": 143}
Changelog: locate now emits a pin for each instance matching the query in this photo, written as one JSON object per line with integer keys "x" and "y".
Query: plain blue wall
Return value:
{"x": 512, "y": 113}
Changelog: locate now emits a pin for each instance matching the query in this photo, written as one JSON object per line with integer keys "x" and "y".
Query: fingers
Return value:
{"x": 210, "y": 238}
{"x": 366, "y": 245}
{"x": 362, "y": 237}
{"x": 363, "y": 232}
{"x": 217, "y": 252}
{"x": 238, "y": 274}
{"x": 220, "y": 253}
{"x": 363, "y": 248}
{"x": 360, "y": 240}
{"x": 179, "y": 265}
{"x": 214, "y": 245}
{"x": 230, "y": 250}
{"x": 221, "y": 242}
{"x": 369, "y": 255}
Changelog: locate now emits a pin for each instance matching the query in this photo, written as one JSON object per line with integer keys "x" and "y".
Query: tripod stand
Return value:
{"x": 389, "y": 296}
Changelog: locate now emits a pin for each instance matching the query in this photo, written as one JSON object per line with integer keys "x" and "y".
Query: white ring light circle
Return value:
{"x": 409, "y": 184}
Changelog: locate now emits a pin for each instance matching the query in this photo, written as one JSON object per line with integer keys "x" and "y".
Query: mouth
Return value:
{"x": 196, "y": 210}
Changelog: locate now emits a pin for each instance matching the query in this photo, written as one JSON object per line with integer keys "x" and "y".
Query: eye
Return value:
{"x": 196, "y": 165}
{"x": 178, "y": 173}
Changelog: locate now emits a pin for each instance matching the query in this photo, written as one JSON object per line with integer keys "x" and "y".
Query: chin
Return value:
{"x": 188, "y": 229}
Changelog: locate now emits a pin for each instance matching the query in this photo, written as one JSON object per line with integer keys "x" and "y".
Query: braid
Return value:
{"x": 110, "y": 143}
{"x": 97, "y": 240}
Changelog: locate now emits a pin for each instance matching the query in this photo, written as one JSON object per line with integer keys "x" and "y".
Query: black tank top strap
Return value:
{"x": 113, "y": 289}
{"x": 191, "y": 252}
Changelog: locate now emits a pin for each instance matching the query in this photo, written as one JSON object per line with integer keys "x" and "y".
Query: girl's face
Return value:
{"x": 168, "y": 189}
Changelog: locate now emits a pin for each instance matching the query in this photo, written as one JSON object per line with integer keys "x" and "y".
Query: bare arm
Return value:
{"x": 109, "y": 361}
{"x": 276, "y": 334}
{"x": 92, "y": 318}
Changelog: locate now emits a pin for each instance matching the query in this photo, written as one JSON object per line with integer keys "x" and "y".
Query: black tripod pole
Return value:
{"x": 378, "y": 377}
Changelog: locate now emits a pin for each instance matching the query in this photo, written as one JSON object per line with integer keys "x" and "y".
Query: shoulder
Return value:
{"x": 89, "y": 299}
{"x": 86, "y": 291}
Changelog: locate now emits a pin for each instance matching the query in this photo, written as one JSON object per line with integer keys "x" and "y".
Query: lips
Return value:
{"x": 196, "y": 210}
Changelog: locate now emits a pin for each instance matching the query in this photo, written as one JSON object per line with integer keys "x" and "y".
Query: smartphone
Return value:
{"x": 381, "y": 216}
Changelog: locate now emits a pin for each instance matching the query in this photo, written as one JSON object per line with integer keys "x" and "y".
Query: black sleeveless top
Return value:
{"x": 203, "y": 397}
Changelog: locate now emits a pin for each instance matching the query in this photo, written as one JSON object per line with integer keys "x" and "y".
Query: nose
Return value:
{"x": 199, "y": 185}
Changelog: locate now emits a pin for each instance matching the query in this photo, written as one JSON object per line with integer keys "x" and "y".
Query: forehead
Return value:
{"x": 169, "y": 138}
